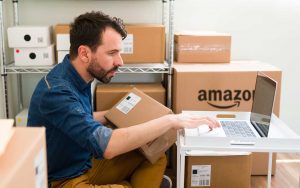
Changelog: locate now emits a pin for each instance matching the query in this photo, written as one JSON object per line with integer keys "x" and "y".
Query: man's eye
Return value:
{"x": 111, "y": 53}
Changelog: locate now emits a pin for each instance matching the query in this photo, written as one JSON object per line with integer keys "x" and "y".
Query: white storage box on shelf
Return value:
{"x": 29, "y": 36}
{"x": 21, "y": 118}
{"x": 41, "y": 56}
{"x": 280, "y": 139}
{"x": 61, "y": 55}
{"x": 63, "y": 41}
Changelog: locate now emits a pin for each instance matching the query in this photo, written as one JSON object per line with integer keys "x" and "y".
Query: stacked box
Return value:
{"x": 32, "y": 45}
{"x": 223, "y": 87}
{"x": 202, "y": 47}
{"x": 62, "y": 35}
{"x": 218, "y": 169}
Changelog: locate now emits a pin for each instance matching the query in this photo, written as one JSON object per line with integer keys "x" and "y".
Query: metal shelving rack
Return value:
{"x": 165, "y": 68}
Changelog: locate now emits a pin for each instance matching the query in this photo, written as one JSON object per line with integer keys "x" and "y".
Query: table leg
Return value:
{"x": 269, "y": 170}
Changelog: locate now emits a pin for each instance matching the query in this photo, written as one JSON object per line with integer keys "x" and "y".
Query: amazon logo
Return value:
{"x": 234, "y": 97}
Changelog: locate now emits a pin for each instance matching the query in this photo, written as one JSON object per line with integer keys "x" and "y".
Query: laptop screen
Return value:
{"x": 263, "y": 101}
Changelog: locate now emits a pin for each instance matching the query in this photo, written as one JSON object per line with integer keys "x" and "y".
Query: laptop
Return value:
{"x": 260, "y": 116}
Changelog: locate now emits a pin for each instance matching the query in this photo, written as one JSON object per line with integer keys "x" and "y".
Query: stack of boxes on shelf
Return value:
{"x": 62, "y": 33}
{"x": 32, "y": 45}
{"x": 144, "y": 44}
{"x": 23, "y": 160}
{"x": 205, "y": 79}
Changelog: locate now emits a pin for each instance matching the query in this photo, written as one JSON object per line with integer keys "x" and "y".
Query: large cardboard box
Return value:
{"x": 145, "y": 43}
{"x": 218, "y": 170}
{"x": 24, "y": 162}
{"x": 223, "y": 87}
{"x": 202, "y": 47}
{"x": 107, "y": 95}
{"x": 131, "y": 111}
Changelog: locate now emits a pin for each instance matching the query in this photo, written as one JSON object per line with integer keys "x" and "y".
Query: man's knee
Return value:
{"x": 162, "y": 160}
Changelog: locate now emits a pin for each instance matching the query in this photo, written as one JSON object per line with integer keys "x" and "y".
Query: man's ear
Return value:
{"x": 84, "y": 53}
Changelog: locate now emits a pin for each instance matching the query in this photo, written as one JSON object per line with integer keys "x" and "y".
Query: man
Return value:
{"x": 81, "y": 151}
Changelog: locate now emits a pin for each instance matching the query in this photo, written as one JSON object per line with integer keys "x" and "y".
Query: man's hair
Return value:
{"x": 87, "y": 29}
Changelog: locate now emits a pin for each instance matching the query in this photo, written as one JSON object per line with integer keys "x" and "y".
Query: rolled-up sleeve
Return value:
{"x": 102, "y": 136}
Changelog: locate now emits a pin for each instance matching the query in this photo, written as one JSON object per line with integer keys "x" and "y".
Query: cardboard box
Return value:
{"x": 218, "y": 170}
{"x": 21, "y": 118}
{"x": 107, "y": 95}
{"x": 62, "y": 32}
{"x": 61, "y": 55}
{"x": 223, "y": 87}
{"x": 41, "y": 56}
{"x": 24, "y": 162}
{"x": 29, "y": 36}
{"x": 202, "y": 47}
{"x": 131, "y": 111}
{"x": 145, "y": 43}
{"x": 6, "y": 132}
{"x": 138, "y": 47}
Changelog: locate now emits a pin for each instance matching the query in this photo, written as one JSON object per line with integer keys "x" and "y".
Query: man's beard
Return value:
{"x": 100, "y": 74}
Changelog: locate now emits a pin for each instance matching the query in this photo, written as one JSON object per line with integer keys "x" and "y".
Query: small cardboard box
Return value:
{"x": 29, "y": 36}
{"x": 130, "y": 110}
{"x": 107, "y": 95}
{"x": 145, "y": 43}
{"x": 24, "y": 162}
{"x": 223, "y": 87}
{"x": 61, "y": 55}
{"x": 202, "y": 47}
{"x": 62, "y": 33}
{"x": 217, "y": 169}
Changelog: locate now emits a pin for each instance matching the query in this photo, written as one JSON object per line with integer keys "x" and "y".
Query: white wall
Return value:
{"x": 265, "y": 30}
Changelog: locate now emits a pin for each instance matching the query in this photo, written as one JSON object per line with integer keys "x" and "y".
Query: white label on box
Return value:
{"x": 200, "y": 175}
{"x": 40, "y": 170}
{"x": 127, "y": 45}
{"x": 40, "y": 39}
{"x": 128, "y": 103}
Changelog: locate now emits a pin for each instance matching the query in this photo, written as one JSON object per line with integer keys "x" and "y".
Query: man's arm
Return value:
{"x": 126, "y": 139}
{"x": 99, "y": 116}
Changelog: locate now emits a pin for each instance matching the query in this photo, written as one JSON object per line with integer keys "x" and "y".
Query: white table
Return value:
{"x": 280, "y": 139}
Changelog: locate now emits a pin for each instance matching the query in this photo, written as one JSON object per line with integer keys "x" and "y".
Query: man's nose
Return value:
{"x": 119, "y": 61}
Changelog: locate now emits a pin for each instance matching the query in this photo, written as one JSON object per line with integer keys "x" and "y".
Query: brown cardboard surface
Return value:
{"x": 220, "y": 87}
{"x": 148, "y": 43}
{"x": 226, "y": 171}
{"x": 145, "y": 110}
{"x": 223, "y": 87}
{"x": 24, "y": 162}
{"x": 62, "y": 29}
{"x": 107, "y": 95}
{"x": 213, "y": 48}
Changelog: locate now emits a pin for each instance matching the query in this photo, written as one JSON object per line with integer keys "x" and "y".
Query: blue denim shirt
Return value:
{"x": 62, "y": 103}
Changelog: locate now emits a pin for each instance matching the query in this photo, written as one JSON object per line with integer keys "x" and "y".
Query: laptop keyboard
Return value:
{"x": 237, "y": 129}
